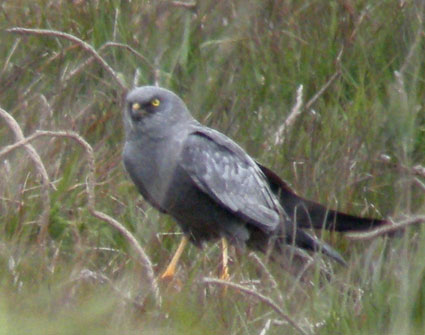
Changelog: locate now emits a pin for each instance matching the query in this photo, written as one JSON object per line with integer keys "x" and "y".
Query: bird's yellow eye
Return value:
{"x": 135, "y": 107}
{"x": 155, "y": 102}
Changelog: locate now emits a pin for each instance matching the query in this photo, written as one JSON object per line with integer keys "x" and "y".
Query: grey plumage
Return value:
{"x": 209, "y": 184}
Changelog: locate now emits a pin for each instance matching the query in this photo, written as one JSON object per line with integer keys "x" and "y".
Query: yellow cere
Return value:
{"x": 155, "y": 102}
{"x": 135, "y": 106}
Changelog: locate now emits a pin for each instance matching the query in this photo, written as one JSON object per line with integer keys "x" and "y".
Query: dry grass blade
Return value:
{"x": 45, "y": 182}
{"x": 290, "y": 120}
{"x": 298, "y": 107}
{"x": 9, "y": 57}
{"x": 86, "y": 274}
{"x": 268, "y": 274}
{"x": 331, "y": 80}
{"x": 322, "y": 90}
{"x": 88, "y": 61}
{"x": 90, "y": 182}
{"x": 72, "y": 38}
{"x": 416, "y": 44}
{"x": 187, "y": 5}
{"x": 268, "y": 301}
{"x": 384, "y": 230}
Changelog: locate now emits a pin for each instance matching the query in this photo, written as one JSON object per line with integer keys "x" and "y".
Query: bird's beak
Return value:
{"x": 135, "y": 107}
{"x": 136, "y": 110}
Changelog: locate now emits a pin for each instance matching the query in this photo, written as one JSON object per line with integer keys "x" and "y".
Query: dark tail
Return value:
{"x": 309, "y": 214}
{"x": 306, "y": 241}
{"x": 287, "y": 236}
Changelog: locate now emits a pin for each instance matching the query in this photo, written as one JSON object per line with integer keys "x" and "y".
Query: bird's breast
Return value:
{"x": 151, "y": 165}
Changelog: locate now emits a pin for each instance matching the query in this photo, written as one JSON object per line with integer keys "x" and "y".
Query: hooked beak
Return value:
{"x": 136, "y": 111}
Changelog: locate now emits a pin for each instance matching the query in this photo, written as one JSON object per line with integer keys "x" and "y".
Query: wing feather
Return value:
{"x": 221, "y": 169}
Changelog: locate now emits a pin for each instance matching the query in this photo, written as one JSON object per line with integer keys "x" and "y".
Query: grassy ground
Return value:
{"x": 238, "y": 65}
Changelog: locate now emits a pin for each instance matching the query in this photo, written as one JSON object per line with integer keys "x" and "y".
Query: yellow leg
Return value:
{"x": 170, "y": 271}
{"x": 225, "y": 259}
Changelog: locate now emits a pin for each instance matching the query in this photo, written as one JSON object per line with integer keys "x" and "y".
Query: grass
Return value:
{"x": 238, "y": 65}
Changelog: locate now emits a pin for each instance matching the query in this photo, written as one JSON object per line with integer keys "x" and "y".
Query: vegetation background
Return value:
{"x": 238, "y": 64}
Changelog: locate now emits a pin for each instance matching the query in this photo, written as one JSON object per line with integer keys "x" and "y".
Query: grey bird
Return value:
{"x": 213, "y": 188}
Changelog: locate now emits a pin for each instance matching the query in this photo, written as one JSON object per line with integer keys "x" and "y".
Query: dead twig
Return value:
{"x": 416, "y": 170}
{"x": 268, "y": 274}
{"x": 268, "y": 301}
{"x": 419, "y": 170}
{"x": 331, "y": 80}
{"x": 88, "y": 61}
{"x": 386, "y": 229}
{"x": 419, "y": 183}
{"x": 45, "y": 182}
{"x": 87, "y": 47}
{"x": 9, "y": 56}
{"x": 129, "y": 48}
{"x": 298, "y": 108}
{"x": 90, "y": 183}
{"x": 187, "y": 5}
{"x": 87, "y": 275}
{"x": 358, "y": 23}
{"x": 320, "y": 92}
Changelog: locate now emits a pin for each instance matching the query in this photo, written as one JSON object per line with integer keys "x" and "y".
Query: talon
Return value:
{"x": 225, "y": 275}
{"x": 170, "y": 271}
{"x": 168, "y": 274}
{"x": 225, "y": 259}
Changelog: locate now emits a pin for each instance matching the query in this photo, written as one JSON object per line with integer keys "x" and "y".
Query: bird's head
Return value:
{"x": 153, "y": 109}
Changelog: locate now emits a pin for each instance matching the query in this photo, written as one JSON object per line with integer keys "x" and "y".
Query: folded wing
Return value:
{"x": 221, "y": 169}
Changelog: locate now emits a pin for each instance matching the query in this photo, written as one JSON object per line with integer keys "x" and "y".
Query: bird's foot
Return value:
{"x": 168, "y": 275}
{"x": 170, "y": 272}
{"x": 225, "y": 273}
{"x": 169, "y": 281}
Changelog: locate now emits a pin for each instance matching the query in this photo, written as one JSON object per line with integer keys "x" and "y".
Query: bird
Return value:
{"x": 214, "y": 189}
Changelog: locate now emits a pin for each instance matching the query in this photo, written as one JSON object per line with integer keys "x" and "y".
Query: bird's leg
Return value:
{"x": 170, "y": 271}
{"x": 225, "y": 259}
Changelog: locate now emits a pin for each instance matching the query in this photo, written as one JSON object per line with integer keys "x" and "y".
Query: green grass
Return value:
{"x": 237, "y": 64}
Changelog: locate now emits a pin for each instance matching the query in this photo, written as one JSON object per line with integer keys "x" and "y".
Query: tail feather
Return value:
{"x": 309, "y": 214}
{"x": 306, "y": 241}
{"x": 290, "y": 235}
